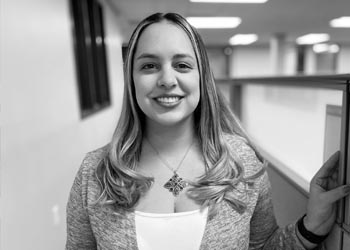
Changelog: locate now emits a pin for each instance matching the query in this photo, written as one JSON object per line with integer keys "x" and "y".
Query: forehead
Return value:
{"x": 163, "y": 38}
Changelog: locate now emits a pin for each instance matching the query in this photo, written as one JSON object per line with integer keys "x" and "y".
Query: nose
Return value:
{"x": 167, "y": 78}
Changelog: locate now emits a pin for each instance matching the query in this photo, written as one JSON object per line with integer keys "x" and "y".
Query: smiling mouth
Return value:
{"x": 168, "y": 99}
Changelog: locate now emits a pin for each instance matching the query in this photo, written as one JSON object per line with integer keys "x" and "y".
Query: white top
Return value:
{"x": 171, "y": 231}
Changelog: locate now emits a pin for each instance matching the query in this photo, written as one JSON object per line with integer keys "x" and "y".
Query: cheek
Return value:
{"x": 141, "y": 102}
{"x": 140, "y": 85}
{"x": 142, "y": 91}
{"x": 138, "y": 97}
{"x": 194, "y": 87}
{"x": 197, "y": 97}
{"x": 144, "y": 83}
{"x": 139, "y": 93}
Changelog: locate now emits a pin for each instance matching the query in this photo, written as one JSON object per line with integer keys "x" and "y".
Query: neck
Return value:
{"x": 180, "y": 135}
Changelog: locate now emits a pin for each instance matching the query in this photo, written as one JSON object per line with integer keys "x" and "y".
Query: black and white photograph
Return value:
{"x": 174, "y": 125}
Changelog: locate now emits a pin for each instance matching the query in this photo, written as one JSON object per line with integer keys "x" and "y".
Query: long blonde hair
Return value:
{"x": 123, "y": 186}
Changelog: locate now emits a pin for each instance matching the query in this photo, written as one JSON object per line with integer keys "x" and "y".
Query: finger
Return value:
{"x": 322, "y": 183}
{"x": 327, "y": 182}
{"x": 329, "y": 166}
{"x": 335, "y": 173}
{"x": 333, "y": 183}
{"x": 336, "y": 193}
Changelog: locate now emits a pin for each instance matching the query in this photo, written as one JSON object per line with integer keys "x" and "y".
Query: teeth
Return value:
{"x": 168, "y": 99}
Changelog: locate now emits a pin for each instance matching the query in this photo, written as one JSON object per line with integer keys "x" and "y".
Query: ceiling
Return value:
{"x": 292, "y": 17}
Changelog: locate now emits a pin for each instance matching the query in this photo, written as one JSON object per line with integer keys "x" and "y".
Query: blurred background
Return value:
{"x": 283, "y": 66}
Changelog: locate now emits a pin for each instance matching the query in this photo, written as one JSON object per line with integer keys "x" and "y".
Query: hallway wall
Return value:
{"x": 43, "y": 138}
{"x": 254, "y": 60}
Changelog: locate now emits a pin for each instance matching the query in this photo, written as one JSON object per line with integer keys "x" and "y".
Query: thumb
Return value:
{"x": 336, "y": 193}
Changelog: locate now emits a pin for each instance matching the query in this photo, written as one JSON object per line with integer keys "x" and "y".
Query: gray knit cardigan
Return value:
{"x": 92, "y": 226}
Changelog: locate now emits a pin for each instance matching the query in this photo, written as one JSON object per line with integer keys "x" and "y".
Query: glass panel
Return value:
{"x": 297, "y": 127}
{"x": 347, "y": 202}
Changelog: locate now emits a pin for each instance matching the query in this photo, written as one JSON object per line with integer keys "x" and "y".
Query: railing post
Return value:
{"x": 346, "y": 165}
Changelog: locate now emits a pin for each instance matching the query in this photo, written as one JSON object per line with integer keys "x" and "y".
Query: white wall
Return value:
{"x": 344, "y": 60}
{"x": 290, "y": 59}
{"x": 218, "y": 61}
{"x": 43, "y": 138}
{"x": 289, "y": 123}
{"x": 250, "y": 61}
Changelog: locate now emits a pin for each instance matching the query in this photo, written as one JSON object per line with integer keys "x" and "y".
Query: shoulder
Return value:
{"x": 86, "y": 179}
{"x": 245, "y": 153}
{"x": 235, "y": 140}
{"x": 93, "y": 159}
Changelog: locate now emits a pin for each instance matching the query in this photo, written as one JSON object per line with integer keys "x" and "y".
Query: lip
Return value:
{"x": 168, "y": 95}
{"x": 167, "y": 103}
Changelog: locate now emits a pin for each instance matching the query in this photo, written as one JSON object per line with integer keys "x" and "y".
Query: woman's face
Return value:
{"x": 165, "y": 74}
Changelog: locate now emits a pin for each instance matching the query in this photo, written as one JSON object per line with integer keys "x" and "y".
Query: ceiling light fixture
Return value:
{"x": 325, "y": 48}
{"x": 228, "y": 1}
{"x": 313, "y": 38}
{"x": 214, "y": 22}
{"x": 243, "y": 39}
{"x": 341, "y": 22}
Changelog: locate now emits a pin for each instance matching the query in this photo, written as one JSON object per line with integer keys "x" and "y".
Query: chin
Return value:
{"x": 172, "y": 120}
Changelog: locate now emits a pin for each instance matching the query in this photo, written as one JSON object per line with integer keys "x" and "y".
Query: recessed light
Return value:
{"x": 243, "y": 39}
{"x": 228, "y": 1}
{"x": 214, "y": 22}
{"x": 341, "y": 22}
{"x": 333, "y": 48}
{"x": 325, "y": 48}
{"x": 313, "y": 38}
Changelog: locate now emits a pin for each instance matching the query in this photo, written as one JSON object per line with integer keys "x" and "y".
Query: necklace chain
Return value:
{"x": 175, "y": 184}
{"x": 165, "y": 162}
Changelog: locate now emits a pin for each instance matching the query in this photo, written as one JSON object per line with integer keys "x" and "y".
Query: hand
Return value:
{"x": 324, "y": 192}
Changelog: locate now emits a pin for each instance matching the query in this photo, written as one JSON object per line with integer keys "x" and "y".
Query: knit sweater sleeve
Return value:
{"x": 79, "y": 233}
{"x": 264, "y": 232}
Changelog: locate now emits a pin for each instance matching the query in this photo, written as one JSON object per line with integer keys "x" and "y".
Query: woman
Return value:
{"x": 180, "y": 173}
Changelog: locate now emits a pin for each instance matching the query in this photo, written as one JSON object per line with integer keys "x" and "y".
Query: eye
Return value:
{"x": 183, "y": 66}
{"x": 148, "y": 66}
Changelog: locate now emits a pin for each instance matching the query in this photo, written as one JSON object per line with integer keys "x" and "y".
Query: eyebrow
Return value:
{"x": 178, "y": 56}
{"x": 153, "y": 56}
{"x": 146, "y": 55}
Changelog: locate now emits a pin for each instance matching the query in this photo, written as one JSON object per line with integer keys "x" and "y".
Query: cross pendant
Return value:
{"x": 176, "y": 184}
